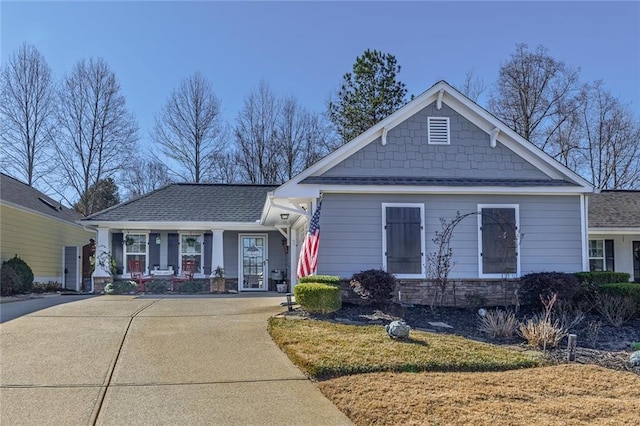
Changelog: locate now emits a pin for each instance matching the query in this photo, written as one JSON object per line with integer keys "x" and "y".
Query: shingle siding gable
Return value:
{"x": 407, "y": 153}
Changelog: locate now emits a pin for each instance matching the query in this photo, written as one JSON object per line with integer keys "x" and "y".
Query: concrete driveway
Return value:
{"x": 116, "y": 360}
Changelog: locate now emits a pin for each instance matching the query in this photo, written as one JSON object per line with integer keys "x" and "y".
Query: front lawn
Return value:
{"x": 323, "y": 349}
{"x": 446, "y": 379}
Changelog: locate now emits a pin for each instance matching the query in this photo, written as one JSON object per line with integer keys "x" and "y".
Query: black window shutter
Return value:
{"x": 610, "y": 257}
{"x": 404, "y": 248}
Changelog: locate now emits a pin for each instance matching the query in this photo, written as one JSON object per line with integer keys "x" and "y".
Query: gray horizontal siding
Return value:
{"x": 351, "y": 231}
{"x": 407, "y": 153}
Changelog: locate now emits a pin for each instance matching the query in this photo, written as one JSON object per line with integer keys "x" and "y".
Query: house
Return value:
{"x": 614, "y": 232}
{"x": 384, "y": 196}
{"x": 42, "y": 232}
{"x": 385, "y": 193}
{"x": 216, "y": 225}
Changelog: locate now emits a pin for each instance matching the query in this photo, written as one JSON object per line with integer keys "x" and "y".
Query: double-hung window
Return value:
{"x": 498, "y": 237}
{"x": 191, "y": 248}
{"x": 135, "y": 246}
{"x": 403, "y": 240}
{"x": 601, "y": 256}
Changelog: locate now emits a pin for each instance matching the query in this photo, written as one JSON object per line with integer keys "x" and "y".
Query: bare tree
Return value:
{"x": 473, "y": 86}
{"x": 97, "y": 134}
{"x": 256, "y": 136}
{"x": 535, "y": 95}
{"x": 226, "y": 168}
{"x": 611, "y": 141}
{"x": 144, "y": 176}
{"x": 26, "y": 109}
{"x": 189, "y": 129}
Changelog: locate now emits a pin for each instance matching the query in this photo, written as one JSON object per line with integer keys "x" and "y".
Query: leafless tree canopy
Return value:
{"x": 473, "y": 86}
{"x": 611, "y": 141}
{"x": 97, "y": 134}
{"x": 144, "y": 176}
{"x": 26, "y": 109}
{"x": 189, "y": 129}
{"x": 535, "y": 95}
{"x": 277, "y": 138}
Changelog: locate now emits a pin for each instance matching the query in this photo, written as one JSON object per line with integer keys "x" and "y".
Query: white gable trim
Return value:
{"x": 468, "y": 109}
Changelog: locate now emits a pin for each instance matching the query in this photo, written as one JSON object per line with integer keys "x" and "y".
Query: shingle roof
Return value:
{"x": 429, "y": 181}
{"x": 20, "y": 194}
{"x": 614, "y": 209}
{"x": 192, "y": 202}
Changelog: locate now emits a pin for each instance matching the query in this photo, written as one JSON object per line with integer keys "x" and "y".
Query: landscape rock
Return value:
{"x": 398, "y": 329}
{"x": 634, "y": 359}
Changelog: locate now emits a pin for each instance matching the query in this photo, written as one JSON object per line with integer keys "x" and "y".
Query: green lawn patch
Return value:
{"x": 323, "y": 350}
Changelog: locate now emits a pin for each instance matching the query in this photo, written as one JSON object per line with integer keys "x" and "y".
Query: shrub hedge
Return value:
{"x": 374, "y": 285}
{"x": 120, "y": 287}
{"x": 602, "y": 277}
{"x": 24, "y": 274}
{"x": 9, "y": 281}
{"x": 566, "y": 286}
{"x": 191, "y": 287}
{"x": 321, "y": 279}
{"x": 156, "y": 287}
{"x": 318, "y": 297}
{"x": 631, "y": 290}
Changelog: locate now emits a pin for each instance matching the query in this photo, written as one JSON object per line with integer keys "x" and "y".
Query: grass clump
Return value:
{"x": 324, "y": 350}
{"x": 499, "y": 323}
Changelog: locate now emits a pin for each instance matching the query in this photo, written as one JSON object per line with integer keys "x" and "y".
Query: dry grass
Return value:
{"x": 323, "y": 349}
{"x": 558, "y": 395}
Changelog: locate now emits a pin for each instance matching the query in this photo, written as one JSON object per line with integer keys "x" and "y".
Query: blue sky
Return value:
{"x": 304, "y": 48}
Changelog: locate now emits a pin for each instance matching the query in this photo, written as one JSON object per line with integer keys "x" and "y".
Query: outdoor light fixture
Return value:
{"x": 157, "y": 240}
{"x": 284, "y": 216}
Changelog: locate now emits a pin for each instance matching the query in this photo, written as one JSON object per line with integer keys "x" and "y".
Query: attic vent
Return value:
{"x": 50, "y": 204}
{"x": 438, "y": 130}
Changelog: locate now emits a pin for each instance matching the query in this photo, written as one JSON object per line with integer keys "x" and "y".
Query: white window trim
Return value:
{"x": 180, "y": 254}
{"x": 518, "y": 247}
{"x": 125, "y": 267}
{"x": 604, "y": 253}
{"x": 429, "y": 142}
{"x": 422, "y": 274}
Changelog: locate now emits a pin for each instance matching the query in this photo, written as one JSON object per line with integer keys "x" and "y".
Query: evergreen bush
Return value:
{"x": 321, "y": 279}
{"x": 24, "y": 272}
{"x": 318, "y": 297}
{"x": 602, "y": 277}
{"x": 374, "y": 285}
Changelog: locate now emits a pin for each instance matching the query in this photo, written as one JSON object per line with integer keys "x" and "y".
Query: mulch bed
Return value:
{"x": 610, "y": 349}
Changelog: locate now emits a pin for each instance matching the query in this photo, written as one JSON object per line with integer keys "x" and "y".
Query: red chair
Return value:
{"x": 187, "y": 273}
{"x": 136, "y": 269}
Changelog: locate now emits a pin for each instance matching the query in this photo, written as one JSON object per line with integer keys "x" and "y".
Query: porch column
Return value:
{"x": 217, "y": 251}
{"x": 293, "y": 255}
{"x": 102, "y": 271}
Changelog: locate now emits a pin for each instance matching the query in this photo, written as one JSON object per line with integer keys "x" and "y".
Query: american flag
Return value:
{"x": 308, "y": 261}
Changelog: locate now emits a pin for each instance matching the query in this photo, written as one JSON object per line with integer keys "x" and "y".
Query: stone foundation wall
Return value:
{"x": 99, "y": 283}
{"x": 459, "y": 292}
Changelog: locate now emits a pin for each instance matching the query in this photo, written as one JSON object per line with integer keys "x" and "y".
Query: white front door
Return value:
{"x": 253, "y": 269}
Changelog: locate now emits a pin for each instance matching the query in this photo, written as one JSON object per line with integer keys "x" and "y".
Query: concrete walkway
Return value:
{"x": 116, "y": 360}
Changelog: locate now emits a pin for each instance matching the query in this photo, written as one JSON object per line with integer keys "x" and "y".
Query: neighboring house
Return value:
{"x": 614, "y": 232}
{"x": 384, "y": 195}
{"x": 42, "y": 232}
{"x": 217, "y": 225}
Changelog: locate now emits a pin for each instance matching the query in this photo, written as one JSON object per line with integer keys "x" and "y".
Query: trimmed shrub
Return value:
{"x": 565, "y": 286}
{"x": 318, "y": 297}
{"x": 191, "y": 287}
{"x": 602, "y": 277}
{"x": 321, "y": 279}
{"x": 120, "y": 287}
{"x": 157, "y": 287}
{"x": 374, "y": 285}
{"x": 9, "y": 281}
{"x": 624, "y": 290}
{"x": 48, "y": 287}
{"x": 24, "y": 272}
